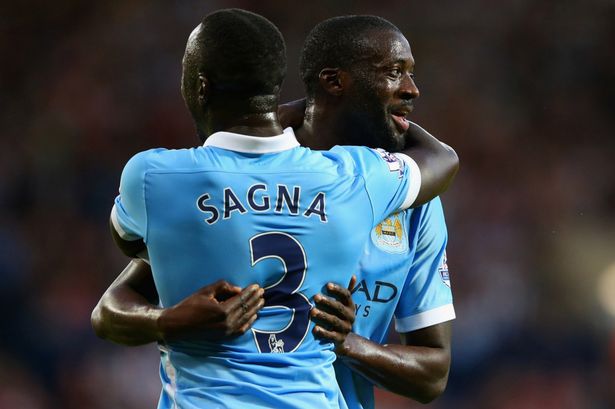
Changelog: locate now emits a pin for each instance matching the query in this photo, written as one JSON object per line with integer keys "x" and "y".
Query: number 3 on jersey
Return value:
{"x": 283, "y": 293}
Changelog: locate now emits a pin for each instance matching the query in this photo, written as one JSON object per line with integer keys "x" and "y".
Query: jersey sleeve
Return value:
{"x": 426, "y": 298}
{"x": 392, "y": 180}
{"x": 128, "y": 214}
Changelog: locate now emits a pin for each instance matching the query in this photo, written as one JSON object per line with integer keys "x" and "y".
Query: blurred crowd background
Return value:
{"x": 523, "y": 89}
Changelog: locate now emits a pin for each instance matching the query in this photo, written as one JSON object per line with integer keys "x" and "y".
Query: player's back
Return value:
{"x": 288, "y": 219}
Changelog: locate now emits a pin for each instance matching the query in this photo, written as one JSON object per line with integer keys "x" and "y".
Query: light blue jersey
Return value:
{"x": 257, "y": 210}
{"x": 402, "y": 275}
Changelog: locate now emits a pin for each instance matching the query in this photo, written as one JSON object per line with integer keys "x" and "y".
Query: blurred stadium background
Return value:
{"x": 522, "y": 89}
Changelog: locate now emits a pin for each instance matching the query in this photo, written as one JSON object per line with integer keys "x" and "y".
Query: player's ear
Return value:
{"x": 332, "y": 81}
{"x": 204, "y": 89}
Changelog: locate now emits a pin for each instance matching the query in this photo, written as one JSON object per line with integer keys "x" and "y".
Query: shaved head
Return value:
{"x": 237, "y": 51}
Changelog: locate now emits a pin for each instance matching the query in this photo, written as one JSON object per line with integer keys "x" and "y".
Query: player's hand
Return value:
{"x": 215, "y": 311}
{"x": 292, "y": 113}
{"x": 334, "y": 316}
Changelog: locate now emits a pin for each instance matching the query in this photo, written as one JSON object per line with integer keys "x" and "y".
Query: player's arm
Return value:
{"x": 128, "y": 312}
{"x": 292, "y": 113}
{"x": 417, "y": 369}
{"x": 438, "y": 163}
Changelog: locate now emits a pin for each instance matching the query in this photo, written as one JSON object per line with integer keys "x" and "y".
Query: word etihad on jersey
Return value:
{"x": 259, "y": 199}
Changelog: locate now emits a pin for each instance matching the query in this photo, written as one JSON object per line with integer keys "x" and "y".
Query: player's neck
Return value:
{"x": 256, "y": 125}
{"x": 251, "y": 116}
{"x": 319, "y": 129}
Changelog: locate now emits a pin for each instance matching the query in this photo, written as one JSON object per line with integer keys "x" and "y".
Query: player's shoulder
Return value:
{"x": 433, "y": 207}
{"x": 161, "y": 159}
{"x": 354, "y": 152}
{"x": 337, "y": 160}
{"x": 362, "y": 158}
{"x": 144, "y": 157}
{"x": 429, "y": 221}
{"x": 431, "y": 210}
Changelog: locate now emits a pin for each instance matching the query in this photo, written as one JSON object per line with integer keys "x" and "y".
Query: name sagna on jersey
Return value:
{"x": 259, "y": 198}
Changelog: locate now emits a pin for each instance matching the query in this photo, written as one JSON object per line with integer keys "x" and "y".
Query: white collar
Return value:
{"x": 253, "y": 144}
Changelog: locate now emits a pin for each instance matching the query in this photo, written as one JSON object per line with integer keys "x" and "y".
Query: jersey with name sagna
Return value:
{"x": 257, "y": 210}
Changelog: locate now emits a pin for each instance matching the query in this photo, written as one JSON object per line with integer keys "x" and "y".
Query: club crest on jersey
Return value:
{"x": 443, "y": 269}
{"x": 394, "y": 163}
{"x": 276, "y": 345}
{"x": 390, "y": 235}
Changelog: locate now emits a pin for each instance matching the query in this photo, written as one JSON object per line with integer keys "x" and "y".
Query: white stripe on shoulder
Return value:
{"x": 415, "y": 180}
{"x": 118, "y": 227}
{"x": 425, "y": 319}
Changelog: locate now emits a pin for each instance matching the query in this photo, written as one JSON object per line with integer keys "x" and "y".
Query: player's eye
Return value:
{"x": 395, "y": 72}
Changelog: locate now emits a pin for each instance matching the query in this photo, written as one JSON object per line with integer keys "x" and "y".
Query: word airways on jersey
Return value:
{"x": 258, "y": 200}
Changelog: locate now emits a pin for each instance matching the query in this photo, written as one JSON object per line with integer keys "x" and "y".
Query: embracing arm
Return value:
{"x": 128, "y": 314}
{"x": 417, "y": 369}
{"x": 438, "y": 162}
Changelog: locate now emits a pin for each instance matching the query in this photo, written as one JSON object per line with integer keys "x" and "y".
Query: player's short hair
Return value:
{"x": 239, "y": 51}
{"x": 336, "y": 43}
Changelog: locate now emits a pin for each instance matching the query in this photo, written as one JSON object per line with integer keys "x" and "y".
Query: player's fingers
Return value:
{"x": 335, "y": 307}
{"x": 254, "y": 302}
{"x": 242, "y": 321}
{"x": 320, "y": 332}
{"x": 244, "y": 306}
{"x": 223, "y": 289}
{"x": 242, "y": 316}
{"x": 342, "y": 294}
{"x": 352, "y": 283}
{"x": 247, "y": 325}
{"x": 330, "y": 321}
{"x": 239, "y": 301}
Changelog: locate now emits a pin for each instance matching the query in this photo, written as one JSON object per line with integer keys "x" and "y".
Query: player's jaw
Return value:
{"x": 389, "y": 125}
{"x": 383, "y": 123}
{"x": 371, "y": 117}
{"x": 374, "y": 127}
{"x": 399, "y": 116}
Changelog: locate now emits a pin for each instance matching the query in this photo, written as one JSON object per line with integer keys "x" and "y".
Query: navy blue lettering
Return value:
{"x": 252, "y": 192}
{"x": 366, "y": 310}
{"x": 317, "y": 207}
{"x": 284, "y": 197}
{"x": 207, "y": 209}
{"x": 379, "y": 286}
{"x": 285, "y": 292}
{"x": 362, "y": 286}
{"x": 232, "y": 203}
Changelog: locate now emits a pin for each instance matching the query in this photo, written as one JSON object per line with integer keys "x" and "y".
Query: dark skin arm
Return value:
{"x": 437, "y": 161}
{"x": 417, "y": 369}
{"x": 127, "y": 312}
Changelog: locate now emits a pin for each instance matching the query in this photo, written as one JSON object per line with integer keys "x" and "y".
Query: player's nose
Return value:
{"x": 407, "y": 88}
